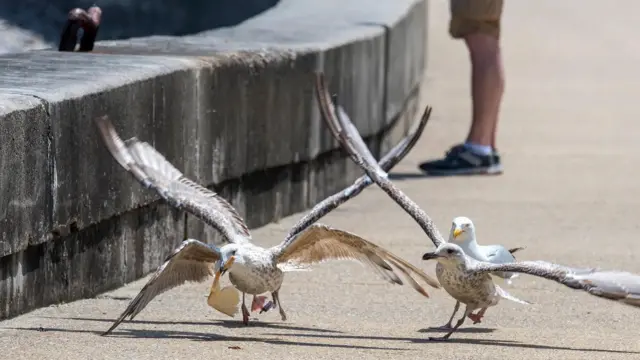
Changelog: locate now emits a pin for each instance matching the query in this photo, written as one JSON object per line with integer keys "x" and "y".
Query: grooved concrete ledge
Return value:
{"x": 233, "y": 108}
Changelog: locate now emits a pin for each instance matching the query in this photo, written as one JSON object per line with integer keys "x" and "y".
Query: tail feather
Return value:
{"x": 516, "y": 249}
{"x": 509, "y": 280}
{"x": 506, "y": 295}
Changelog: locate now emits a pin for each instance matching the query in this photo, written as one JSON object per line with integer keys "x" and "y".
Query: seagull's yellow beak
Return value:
{"x": 225, "y": 300}
{"x": 215, "y": 287}
{"x": 227, "y": 265}
{"x": 456, "y": 232}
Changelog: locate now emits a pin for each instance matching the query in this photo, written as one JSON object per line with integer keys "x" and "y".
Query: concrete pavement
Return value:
{"x": 569, "y": 194}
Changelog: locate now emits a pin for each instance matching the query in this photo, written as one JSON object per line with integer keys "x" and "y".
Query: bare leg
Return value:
{"x": 477, "y": 317}
{"x": 448, "y": 325}
{"x": 487, "y": 84}
{"x": 276, "y": 300}
{"x": 258, "y": 303}
{"x": 245, "y": 311}
{"x": 458, "y": 324}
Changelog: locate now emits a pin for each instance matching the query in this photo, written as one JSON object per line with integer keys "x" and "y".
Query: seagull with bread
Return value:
{"x": 468, "y": 280}
{"x": 252, "y": 269}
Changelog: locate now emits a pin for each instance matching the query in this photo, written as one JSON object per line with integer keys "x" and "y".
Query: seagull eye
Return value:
{"x": 449, "y": 251}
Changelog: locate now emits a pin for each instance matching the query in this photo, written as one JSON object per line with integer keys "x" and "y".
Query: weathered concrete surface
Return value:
{"x": 35, "y": 24}
{"x": 234, "y": 109}
{"x": 25, "y": 182}
{"x": 568, "y": 194}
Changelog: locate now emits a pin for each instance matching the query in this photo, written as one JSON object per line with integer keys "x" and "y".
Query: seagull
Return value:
{"x": 252, "y": 269}
{"x": 469, "y": 281}
{"x": 618, "y": 286}
{"x": 463, "y": 233}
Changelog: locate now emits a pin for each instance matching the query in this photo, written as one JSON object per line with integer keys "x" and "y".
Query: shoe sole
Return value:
{"x": 492, "y": 170}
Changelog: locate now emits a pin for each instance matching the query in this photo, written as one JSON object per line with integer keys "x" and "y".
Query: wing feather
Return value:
{"x": 332, "y": 111}
{"x": 191, "y": 262}
{"x": 619, "y": 286}
{"x": 379, "y": 176}
{"x": 153, "y": 171}
{"x": 387, "y": 162}
{"x": 515, "y": 250}
{"x": 320, "y": 243}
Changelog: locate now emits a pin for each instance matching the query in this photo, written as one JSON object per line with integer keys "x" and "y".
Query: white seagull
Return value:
{"x": 463, "y": 233}
{"x": 252, "y": 269}
{"x": 468, "y": 280}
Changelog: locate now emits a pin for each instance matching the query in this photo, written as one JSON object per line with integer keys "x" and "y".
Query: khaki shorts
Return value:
{"x": 475, "y": 16}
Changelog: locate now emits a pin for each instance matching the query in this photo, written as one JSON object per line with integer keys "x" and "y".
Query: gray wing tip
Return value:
{"x": 131, "y": 141}
{"x": 110, "y": 329}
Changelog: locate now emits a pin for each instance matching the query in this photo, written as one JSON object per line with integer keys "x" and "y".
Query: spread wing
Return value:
{"x": 386, "y": 163}
{"x": 619, "y": 286}
{"x": 395, "y": 155}
{"x": 153, "y": 171}
{"x": 191, "y": 261}
{"x": 332, "y": 111}
{"x": 320, "y": 243}
{"x": 379, "y": 176}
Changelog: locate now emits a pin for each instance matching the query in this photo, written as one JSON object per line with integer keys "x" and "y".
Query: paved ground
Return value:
{"x": 570, "y": 194}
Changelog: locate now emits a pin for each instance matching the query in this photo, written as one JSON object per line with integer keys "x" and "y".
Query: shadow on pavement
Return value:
{"x": 399, "y": 176}
{"x": 503, "y": 343}
{"x": 407, "y": 175}
{"x": 230, "y": 324}
{"x": 468, "y": 330}
{"x": 199, "y": 336}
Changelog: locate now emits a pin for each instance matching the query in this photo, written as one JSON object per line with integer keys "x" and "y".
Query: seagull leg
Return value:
{"x": 458, "y": 324}
{"x": 477, "y": 317}
{"x": 258, "y": 303}
{"x": 276, "y": 299}
{"x": 448, "y": 325}
{"x": 245, "y": 312}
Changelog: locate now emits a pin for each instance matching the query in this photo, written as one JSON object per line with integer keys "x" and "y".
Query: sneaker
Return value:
{"x": 461, "y": 161}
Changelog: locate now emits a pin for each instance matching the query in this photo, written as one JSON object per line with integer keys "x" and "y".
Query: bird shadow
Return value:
{"x": 118, "y": 298}
{"x": 229, "y": 324}
{"x": 296, "y": 331}
{"x": 486, "y": 342}
{"x": 468, "y": 330}
{"x": 200, "y": 336}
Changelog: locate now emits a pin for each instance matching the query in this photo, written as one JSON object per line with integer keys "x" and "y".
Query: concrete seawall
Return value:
{"x": 232, "y": 108}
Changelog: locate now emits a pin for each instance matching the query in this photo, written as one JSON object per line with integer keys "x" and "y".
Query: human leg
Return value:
{"x": 477, "y": 22}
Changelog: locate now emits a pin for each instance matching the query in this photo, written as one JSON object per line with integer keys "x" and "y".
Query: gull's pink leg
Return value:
{"x": 258, "y": 303}
{"x": 245, "y": 312}
{"x": 478, "y": 316}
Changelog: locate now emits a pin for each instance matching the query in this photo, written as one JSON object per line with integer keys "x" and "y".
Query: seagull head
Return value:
{"x": 462, "y": 230}
{"x": 446, "y": 253}
{"x": 228, "y": 256}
